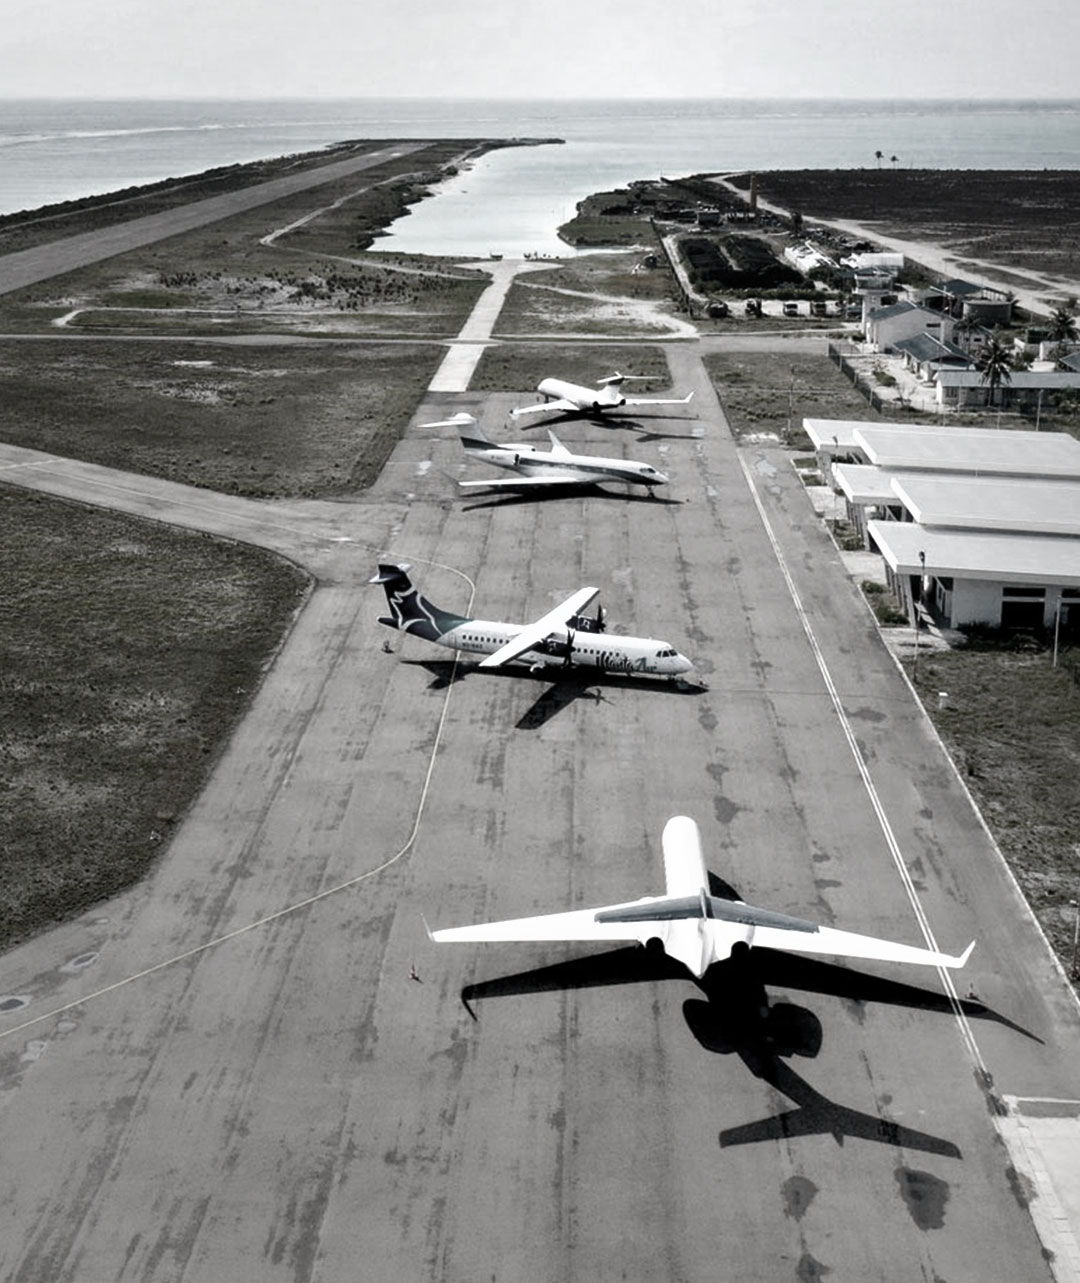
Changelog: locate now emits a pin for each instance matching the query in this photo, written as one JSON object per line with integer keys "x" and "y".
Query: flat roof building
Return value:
{"x": 977, "y": 525}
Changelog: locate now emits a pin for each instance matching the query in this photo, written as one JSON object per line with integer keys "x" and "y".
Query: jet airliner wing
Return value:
{"x": 532, "y": 634}
{"x": 544, "y": 406}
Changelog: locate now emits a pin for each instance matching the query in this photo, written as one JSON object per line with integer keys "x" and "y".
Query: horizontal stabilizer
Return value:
{"x": 704, "y": 906}
{"x": 387, "y": 573}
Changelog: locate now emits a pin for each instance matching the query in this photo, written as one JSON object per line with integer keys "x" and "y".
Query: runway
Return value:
{"x": 232, "y": 1073}
{"x": 27, "y": 267}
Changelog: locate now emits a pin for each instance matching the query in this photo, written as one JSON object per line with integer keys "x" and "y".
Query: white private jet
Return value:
{"x": 563, "y": 638}
{"x": 693, "y": 926}
{"x": 544, "y": 468}
{"x": 570, "y": 398}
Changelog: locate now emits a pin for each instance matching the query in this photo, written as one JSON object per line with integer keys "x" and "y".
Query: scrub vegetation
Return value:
{"x": 768, "y": 394}
{"x": 520, "y": 368}
{"x": 266, "y": 422}
{"x": 1010, "y": 723}
{"x": 1027, "y": 219}
{"x": 129, "y": 651}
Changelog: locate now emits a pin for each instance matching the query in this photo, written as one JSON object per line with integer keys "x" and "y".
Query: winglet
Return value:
{"x": 558, "y": 450}
{"x": 962, "y": 960}
{"x": 430, "y": 934}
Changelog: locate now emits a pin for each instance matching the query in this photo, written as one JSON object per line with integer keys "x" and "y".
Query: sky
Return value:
{"x": 540, "y": 48}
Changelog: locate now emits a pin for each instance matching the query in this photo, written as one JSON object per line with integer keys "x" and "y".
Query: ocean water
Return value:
{"x": 513, "y": 200}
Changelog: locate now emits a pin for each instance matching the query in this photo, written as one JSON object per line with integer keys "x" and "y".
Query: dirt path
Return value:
{"x": 939, "y": 258}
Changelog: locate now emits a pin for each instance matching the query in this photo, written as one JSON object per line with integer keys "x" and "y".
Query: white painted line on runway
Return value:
{"x": 868, "y": 783}
{"x": 207, "y": 945}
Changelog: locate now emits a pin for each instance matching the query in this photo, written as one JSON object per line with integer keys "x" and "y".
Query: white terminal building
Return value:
{"x": 978, "y": 526}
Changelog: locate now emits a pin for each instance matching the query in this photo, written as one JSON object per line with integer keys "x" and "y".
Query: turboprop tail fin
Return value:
{"x": 409, "y": 610}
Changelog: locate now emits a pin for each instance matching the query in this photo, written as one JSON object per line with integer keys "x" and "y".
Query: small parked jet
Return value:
{"x": 540, "y": 468}
{"x": 693, "y": 926}
{"x": 570, "y": 398}
{"x": 563, "y": 638}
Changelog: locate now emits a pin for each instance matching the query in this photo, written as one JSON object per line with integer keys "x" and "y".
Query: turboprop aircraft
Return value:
{"x": 563, "y": 638}
{"x": 570, "y": 398}
{"x": 693, "y": 926}
{"x": 544, "y": 468}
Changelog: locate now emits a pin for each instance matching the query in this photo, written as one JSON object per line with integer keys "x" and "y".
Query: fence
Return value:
{"x": 848, "y": 369}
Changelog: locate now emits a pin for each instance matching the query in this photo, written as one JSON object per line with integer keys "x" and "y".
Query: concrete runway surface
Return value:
{"x": 232, "y": 1073}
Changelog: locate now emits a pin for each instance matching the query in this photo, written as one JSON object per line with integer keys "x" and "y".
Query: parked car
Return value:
{"x": 791, "y": 309}
{"x": 717, "y": 309}
{"x": 752, "y": 307}
{"x": 819, "y": 307}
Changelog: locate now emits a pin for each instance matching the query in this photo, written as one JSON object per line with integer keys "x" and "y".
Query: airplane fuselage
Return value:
{"x": 606, "y": 397}
{"x": 609, "y": 654}
{"x": 528, "y": 461}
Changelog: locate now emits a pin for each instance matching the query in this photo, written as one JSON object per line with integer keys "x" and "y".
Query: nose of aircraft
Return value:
{"x": 682, "y": 664}
{"x": 659, "y": 479}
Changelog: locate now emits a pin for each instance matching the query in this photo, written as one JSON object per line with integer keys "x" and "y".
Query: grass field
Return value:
{"x": 770, "y": 393}
{"x": 254, "y": 420}
{"x": 128, "y": 653}
{"x": 519, "y": 368}
{"x": 1010, "y": 723}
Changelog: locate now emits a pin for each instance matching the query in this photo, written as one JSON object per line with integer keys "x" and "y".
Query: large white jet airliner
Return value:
{"x": 539, "y": 468}
{"x": 571, "y": 398}
{"x": 563, "y": 638}
{"x": 695, "y": 927}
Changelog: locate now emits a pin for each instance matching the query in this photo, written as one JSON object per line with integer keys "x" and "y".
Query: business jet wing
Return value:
{"x": 830, "y": 942}
{"x": 577, "y": 924}
{"x": 652, "y": 400}
{"x": 544, "y": 406}
{"x": 529, "y": 483}
{"x": 532, "y": 634}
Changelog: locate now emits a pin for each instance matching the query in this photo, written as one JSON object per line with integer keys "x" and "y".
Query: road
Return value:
{"x": 231, "y": 1073}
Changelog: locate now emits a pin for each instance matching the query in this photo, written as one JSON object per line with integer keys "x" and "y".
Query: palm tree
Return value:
{"x": 894, "y": 159}
{"x": 994, "y": 363}
{"x": 963, "y": 330}
{"x": 879, "y": 156}
{"x": 1062, "y": 327}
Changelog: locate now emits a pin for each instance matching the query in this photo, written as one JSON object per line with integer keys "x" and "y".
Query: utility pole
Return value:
{"x": 918, "y": 618}
{"x": 1074, "y": 970}
{"x": 1057, "y": 629}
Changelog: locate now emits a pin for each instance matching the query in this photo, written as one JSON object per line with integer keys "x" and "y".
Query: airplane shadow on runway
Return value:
{"x": 552, "y": 494}
{"x": 631, "y": 424}
{"x": 736, "y": 1018}
{"x": 575, "y": 684}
